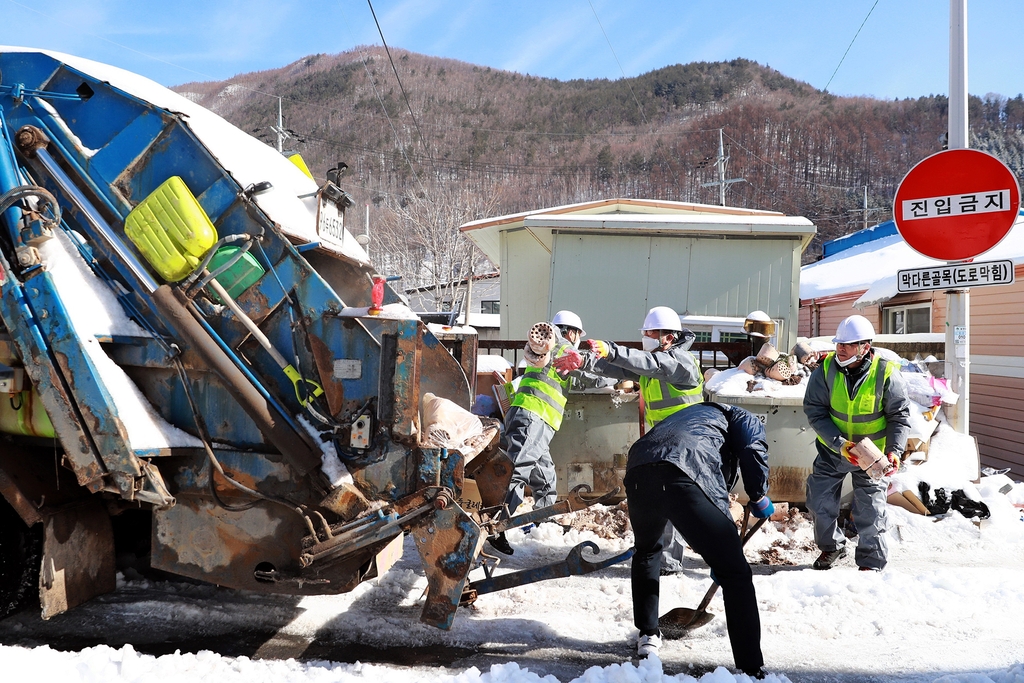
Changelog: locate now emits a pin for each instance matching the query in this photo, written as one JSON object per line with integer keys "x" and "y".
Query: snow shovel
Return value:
{"x": 677, "y": 622}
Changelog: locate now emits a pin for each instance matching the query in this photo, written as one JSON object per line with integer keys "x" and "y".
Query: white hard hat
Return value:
{"x": 569, "y": 319}
{"x": 854, "y": 329}
{"x": 662, "y": 318}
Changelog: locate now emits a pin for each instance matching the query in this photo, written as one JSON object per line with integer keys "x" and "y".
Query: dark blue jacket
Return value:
{"x": 711, "y": 443}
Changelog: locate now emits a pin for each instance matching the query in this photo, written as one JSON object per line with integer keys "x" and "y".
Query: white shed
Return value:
{"x": 612, "y": 260}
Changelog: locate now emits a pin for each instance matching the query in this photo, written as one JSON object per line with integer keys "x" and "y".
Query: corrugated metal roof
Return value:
{"x": 626, "y": 215}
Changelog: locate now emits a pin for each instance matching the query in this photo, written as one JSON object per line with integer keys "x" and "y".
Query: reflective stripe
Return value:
{"x": 541, "y": 376}
{"x": 854, "y": 418}
{"x": 671, "y": 400}
{"x": 862, "y": 414}
{"x": 542, "y": 392}
{"x": 544, "y": 396}
{"x": 662, "y": 399}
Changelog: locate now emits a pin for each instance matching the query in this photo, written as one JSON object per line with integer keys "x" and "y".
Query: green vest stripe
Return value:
{"x": 542, "y": 392}
{"x": 661, "y": 399}
{"x": 859, "y": 416}
{"x": 543, "y": 396}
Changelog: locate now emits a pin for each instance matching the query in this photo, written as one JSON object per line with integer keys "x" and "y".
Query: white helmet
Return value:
{"x": 569, "y": 319}
{"x": 662, "y": 318}
{"x": 854, "y": 329}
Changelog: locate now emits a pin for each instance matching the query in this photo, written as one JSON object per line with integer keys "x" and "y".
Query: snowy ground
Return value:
{"x": 948, "y": 608}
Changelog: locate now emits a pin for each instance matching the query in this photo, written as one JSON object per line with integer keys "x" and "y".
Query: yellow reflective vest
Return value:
{"x": 861, "y": 415}
{"x": 661, "y": 399}
{"x": 542, "y": 391}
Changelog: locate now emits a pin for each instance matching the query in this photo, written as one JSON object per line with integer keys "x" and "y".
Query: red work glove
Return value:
{"x": 568, "y": 361}
{"x": 598, "y": 347}
{"x": 894, "y": 463}
{"x": 845, "y": 452}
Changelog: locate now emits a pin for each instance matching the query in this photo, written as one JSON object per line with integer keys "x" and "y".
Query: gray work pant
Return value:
{"x": 824, "y": 489}
{"x": 528, "y": 437}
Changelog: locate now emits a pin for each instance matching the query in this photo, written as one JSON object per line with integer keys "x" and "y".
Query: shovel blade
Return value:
{"x": 677, "y": 622}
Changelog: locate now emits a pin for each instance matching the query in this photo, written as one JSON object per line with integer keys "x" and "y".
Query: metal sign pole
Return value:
{"x": 958, "y": 304}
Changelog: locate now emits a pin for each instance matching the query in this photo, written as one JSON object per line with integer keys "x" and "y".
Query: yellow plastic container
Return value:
{"x": 171, "y": 230}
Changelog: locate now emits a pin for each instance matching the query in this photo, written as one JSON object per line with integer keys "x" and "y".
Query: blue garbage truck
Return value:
{"x": 199, "y": 365}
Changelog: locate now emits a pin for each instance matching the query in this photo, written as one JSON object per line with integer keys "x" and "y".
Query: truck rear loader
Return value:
{"x": 190, "y": 337}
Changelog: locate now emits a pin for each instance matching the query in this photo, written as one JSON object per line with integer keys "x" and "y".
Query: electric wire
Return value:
{"x": 825, "y": 89}
{"x": 401, "y": 87}
{"x": 790, "y": 174}
{"x": 621, "y": 70}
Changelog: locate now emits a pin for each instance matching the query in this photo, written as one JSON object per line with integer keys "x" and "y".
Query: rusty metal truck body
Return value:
{"x": 265, "y": 413}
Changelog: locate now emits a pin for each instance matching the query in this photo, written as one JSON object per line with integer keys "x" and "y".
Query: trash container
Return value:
{"x": 592, "y": 444}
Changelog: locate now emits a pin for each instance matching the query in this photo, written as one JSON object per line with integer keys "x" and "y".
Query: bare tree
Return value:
{"x": 418, "y": 237}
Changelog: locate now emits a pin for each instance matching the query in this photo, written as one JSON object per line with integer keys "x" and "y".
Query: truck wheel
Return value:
{"x": 21, "y": 550}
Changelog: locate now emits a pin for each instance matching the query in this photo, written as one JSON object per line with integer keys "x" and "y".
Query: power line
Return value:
{"x": 608, "y": 40}
{"x": 788, "y": 173}
{"x": 825, "y": 89}
{"x": 398, "y": 141}
{"x": 400, "y": 86}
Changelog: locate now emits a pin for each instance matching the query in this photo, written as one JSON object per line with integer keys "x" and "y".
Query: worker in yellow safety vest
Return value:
{"x": 668, "y": 374}
{"x": 536, "y": 414}
{"x": 854, "y": 394}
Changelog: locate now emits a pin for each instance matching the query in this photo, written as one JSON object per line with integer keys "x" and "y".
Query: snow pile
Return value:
{"x": 394, "y": 311}
{"x": 946, "y": 609}
{"x": 488, "y": 362}
{"x": 736, "y": 382}
{"x": 95, "y": 312}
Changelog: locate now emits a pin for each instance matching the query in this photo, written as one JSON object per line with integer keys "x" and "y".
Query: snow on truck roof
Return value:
{"x": 291, "y": 203}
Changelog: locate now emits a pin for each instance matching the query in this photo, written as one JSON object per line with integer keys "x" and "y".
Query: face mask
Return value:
{"x": 849, "y": 361}
{"x": 650, "y": 344}
{"x": 576, "y": 344}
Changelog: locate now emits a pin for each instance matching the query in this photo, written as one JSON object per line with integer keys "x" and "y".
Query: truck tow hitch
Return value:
{"x": 573, "y": 502}
{"x": 574, "y": 564}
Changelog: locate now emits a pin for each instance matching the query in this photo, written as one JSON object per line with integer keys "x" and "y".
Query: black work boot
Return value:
{"x": 501, "y": 544}
{"x": 829, "y": 558}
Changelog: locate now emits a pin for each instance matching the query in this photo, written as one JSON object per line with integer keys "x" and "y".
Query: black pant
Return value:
{"x": 660, "y": 493}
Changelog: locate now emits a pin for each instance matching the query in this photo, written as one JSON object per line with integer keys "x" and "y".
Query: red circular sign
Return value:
{"x": 956, "y": 204}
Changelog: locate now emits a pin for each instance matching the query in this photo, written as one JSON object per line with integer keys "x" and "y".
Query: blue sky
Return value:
{"x": 901, "y": 51}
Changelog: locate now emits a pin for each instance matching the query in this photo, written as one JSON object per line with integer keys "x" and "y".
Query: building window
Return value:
{"x": 701, "y": 336}
{"x": 489, "y": 307}
{"x": 907, "y": 319}
{"x": 732, "y": 337}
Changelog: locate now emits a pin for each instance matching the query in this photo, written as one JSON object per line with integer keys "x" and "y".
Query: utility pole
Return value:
{"x": 282, "y": 134}
{"x": 866, "y": 210}
{"x": 958, "y": 302}
{"x": 720, "y": 163}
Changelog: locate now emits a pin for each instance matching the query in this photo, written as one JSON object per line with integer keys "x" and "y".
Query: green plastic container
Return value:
{"x": 241, "y": 276}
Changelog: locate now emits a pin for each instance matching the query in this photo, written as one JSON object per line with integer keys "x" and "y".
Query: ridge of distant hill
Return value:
{"x": 482, "y": 141}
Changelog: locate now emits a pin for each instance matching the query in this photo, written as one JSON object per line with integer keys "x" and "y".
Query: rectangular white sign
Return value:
{"x": 330, "y": 222}
{"x": 348, "y": 368}
{"x": 955, "y": 277}
{"x": 956, "y": 205}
